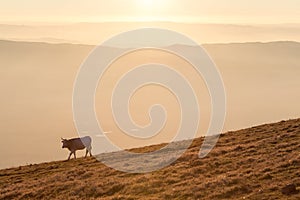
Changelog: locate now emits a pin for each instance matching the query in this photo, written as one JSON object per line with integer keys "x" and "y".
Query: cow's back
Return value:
{"x": 80, "y": 143}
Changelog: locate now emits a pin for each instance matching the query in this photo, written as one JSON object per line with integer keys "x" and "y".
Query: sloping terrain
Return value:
{"x": 254, "y": 163}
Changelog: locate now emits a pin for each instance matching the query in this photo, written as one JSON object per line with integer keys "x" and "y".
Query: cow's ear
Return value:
{"x": 62, "y": 139}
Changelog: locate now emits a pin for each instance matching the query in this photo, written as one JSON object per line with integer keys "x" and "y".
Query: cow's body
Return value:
{"x": 78, "y": 144}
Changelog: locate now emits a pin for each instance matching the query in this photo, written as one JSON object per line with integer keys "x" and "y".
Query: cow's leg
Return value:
{"x": 86, "y": 152}
{"x": 75, "y": 154}
{"x": 90, "y": 150}
{"x": 70, "y": 155}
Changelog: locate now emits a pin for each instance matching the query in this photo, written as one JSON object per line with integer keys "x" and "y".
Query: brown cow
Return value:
{"x": 78, "y": 144}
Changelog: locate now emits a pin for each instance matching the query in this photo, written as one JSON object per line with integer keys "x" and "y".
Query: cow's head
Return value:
{"x": 65, "y": 143}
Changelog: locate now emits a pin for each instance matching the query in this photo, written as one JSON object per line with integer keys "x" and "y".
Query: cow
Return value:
{"x": 78, "y": 144}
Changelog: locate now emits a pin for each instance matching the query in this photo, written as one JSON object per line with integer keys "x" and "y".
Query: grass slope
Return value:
{"x": 254, "y": 163}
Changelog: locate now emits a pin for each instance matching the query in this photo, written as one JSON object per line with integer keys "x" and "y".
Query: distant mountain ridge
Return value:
{"x": 95, "y": 33}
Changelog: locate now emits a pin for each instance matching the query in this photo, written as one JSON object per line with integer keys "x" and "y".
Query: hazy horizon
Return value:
{"x": 95, "y": 33}
{"x": 261, "y": 81}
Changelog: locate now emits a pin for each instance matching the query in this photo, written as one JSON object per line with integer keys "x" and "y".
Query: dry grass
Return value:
{"x": 252, "y": 163}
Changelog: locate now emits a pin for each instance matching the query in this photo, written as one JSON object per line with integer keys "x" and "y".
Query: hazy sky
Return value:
{"x": 209, "y": 11}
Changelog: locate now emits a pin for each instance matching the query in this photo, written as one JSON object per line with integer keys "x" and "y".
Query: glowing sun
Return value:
{"x": 146, "y": 3}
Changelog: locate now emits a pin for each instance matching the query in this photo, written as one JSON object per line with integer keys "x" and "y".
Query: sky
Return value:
{"x": 204, "y": 11}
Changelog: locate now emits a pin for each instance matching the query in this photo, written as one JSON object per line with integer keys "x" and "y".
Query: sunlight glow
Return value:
{"x": 146, "y": 3}
{"x": 151, "y": 4}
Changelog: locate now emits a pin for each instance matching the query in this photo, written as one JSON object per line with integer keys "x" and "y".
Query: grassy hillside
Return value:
{"x": 254, "y": 163}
